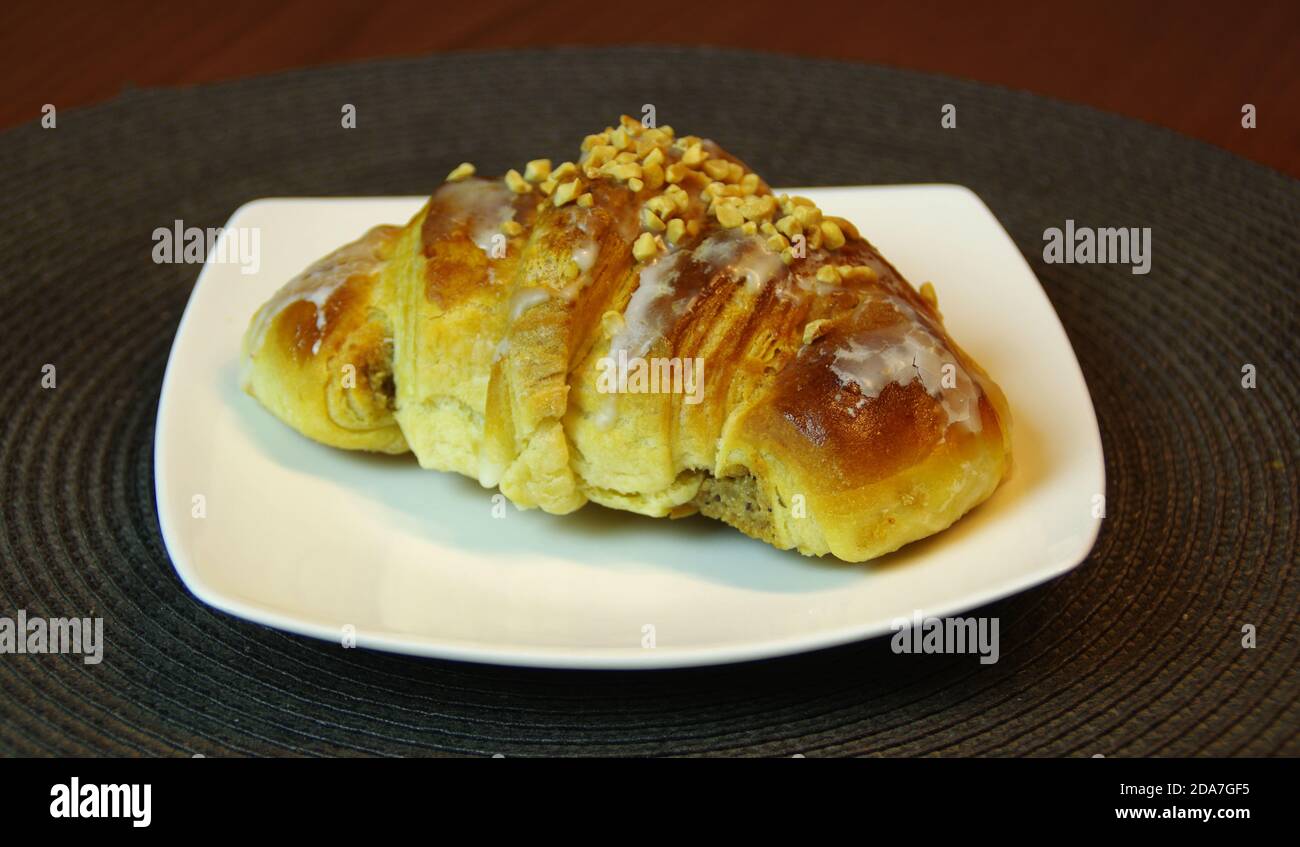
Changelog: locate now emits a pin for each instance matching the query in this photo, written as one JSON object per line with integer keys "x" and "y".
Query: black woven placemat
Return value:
{"x": 1137, "y": 652}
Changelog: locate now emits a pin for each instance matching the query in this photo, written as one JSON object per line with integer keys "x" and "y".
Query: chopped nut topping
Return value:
{"x": 679, "y": 197}
{"x": 644, "y": 247}
{"x": 566, "y": 192}
{"x": 833, "y": 237}
{"x": 717, "y": 168}
{"x": 516, "y": 183}
{"x": 649, "y": 140}
{"x": 807, "y": 216}
{"x": 757, "y": 208}
{"x": 650, "y": 221}
{"x": 814, "y": 330}
{"x": 929, "y": 295}
{"x": 624, "y": 171}
{"x": 728, "y": 214}
{"x": 462, "y": 171}
{"x": 653, "y": 175}
{"x": 694, "y": 155}
{"x": 828, "y": 274}
{"x": 537, "y": 170}
{"x": 683, "y": 185}
{"x": 599, "y": 155}
{"x": 662, "y": 205}
{"x": 611, "y": 323}
{"x": 788, "y": 226}
{"x": 815, "y": 238}
{"x": 858, "y": 272}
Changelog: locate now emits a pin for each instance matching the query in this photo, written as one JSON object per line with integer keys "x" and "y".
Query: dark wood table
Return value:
{"x": 1189, "y": 66}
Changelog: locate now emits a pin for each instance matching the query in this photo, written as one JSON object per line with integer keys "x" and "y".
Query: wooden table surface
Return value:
{"x": 1189, "y": 66}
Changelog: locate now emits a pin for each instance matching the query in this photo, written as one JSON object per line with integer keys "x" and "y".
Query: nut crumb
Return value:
{"x": 644, "y": 247}
{"x": 462, "y": 171}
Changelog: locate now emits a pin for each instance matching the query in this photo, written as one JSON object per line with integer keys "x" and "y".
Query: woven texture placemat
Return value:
{"x": 1137, "y": 652}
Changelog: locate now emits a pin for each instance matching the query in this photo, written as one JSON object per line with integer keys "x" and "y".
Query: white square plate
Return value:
{"x": 310, "y": 539}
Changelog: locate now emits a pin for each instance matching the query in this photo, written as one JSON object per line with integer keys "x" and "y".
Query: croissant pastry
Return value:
{"x": 649, "y": 328}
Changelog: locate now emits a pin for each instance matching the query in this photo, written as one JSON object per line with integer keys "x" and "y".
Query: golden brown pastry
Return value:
{"x": 651, "y": 329}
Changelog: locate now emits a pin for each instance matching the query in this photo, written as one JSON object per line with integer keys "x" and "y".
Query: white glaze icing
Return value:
{"x": 317, "y": 284}
{"x": 607, "y": 412}
{"x": 739, "y": 256}
{"x": 585, "y": 255}
{"x": 643, "y": 321}
{"x": 526, "y": 298}
{"x": 657, "y": 302}
{"x": 743, "y": 257}
{"x": 482, "y": 205}
{"x": 902, "y": 352}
